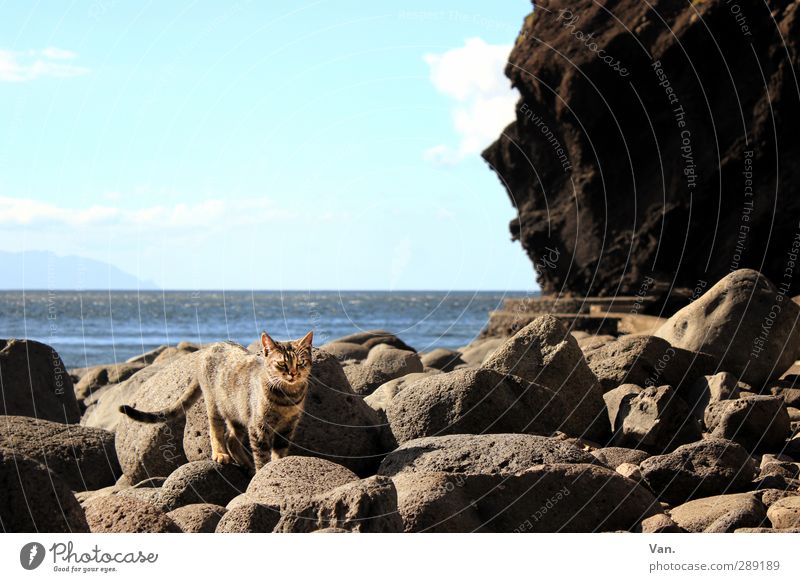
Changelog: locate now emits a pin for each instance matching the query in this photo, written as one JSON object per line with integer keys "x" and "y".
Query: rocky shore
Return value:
{"x": 691, "y": 428}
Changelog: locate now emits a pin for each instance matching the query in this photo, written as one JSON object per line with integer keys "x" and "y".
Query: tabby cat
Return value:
{"x": 246, "y": 394}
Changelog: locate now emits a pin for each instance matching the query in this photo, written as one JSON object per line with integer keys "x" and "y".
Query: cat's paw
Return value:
{"x": 222, "y": 458}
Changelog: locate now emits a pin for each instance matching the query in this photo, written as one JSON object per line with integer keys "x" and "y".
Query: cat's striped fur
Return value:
{"x": 261, "y": 397}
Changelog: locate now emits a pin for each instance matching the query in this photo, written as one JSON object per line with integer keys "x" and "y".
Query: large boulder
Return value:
{"x": 156, "y": 450}
{"x": 94, "y": 378}
{"x": 370, "y": 339}
{"x": 720, "y": 513}
{"x": 102, "y": 407}
{"x": 646, "y": 360}
{"x": 656, "y": 420}
{"x": 759, "y": 423}
{"x": 84, "y": 457}
{"x": 546, "y": 353}
{"x": 745, "y": 323}
{"x": 709, "y": 467}
{"x": 203, "y": 482}
{"x": 383, "y": 363}
{"x": 35, "y": 382}
{"x": 249, "y": 518}
{"x": 314, "y": 494}
{"x": 36, "y": 500}
{"x": 785, "y": 513}
{"x": 545, "y": 498}
{"x": 380, "y": 399}
{"x": 486, "y": 454}
{"x": 442, "y": 359}
{"x": 480, "y": 350}
{"x": 615, "y": 195}
{"x": 124, "y": 514}
{"x": 197, "y": 517}
{"x": 345, "y": 351}
{"x": 473, "y": 401}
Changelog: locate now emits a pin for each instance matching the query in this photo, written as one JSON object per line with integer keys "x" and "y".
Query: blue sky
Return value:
{"x": 267, "y": 145}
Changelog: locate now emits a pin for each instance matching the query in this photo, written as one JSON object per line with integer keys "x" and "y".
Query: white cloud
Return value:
{"x": 209, "y": 213}
{"x": 22, "y": 66}
{"x": 484, "y": 103}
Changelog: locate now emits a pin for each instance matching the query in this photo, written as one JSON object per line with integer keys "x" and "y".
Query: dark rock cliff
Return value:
{"x": 656, "y": 143}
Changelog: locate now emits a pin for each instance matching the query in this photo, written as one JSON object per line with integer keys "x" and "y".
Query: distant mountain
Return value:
{"x": 46, "y": 270}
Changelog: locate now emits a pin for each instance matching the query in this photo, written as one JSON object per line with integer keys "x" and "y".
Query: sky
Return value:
{"x": 261, "y": 145}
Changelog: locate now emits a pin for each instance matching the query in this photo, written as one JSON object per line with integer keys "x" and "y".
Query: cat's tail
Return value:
{"x": 178, "y": 408}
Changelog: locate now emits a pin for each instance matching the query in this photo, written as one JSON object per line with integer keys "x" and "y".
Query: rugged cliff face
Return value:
{"x": 656, "y": 143}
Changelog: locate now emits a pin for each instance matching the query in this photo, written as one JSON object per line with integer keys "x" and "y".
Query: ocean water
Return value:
{"x": 96, "y": 327}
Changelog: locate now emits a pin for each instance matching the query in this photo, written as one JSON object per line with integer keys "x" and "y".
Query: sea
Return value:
{"x": 88, "y": 328}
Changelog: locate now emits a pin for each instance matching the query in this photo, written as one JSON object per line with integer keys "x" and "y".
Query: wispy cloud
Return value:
{"x": 472, "y": 76}
{"x": 22, "y": 66}
{"x": 25, "y": 212}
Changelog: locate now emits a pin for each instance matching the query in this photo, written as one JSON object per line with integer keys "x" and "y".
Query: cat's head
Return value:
{"x": 288, "y": 362}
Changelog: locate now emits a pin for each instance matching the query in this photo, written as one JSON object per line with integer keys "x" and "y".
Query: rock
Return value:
{"x": 123, "y": 514}
{"x": 331, "y": 530}
{"x": 720, "y": 514}
{"x": 545, "y": 498}
{"x": 605, "y": 213}
{"x": 646, "y": 360}
{"x": 337, "y": 424}
{"x": 365, "y": 506}
{"x": 756, "y": 422}
{"x": 545, "y": 352}
{"x": 345, "y": 351}
{"x": 197, "y": 517}
{"x": 35, "y": 382}
{"x": 590, "y": 342}
{"x": 148, "y": 357}
{"x": 83, "y": 457}
{"x": 630, "y": 471}
{"x": 156, "y": 450}
{"x": 708, "y": 389}
{"x": 442, "y": 359}
{"x": 480, "y": 350}
{"x": 297, "y": 476}
{"x": 96, "y": 377}
{"x": 372, "y": 338}
{"x": 618, "y": 404}
{"x": 709, "y": 467}
{"x": 380, "y": 399}
{"x": 656, "y": 420}
{"x": 36, "y": 500}
{"x": 785, "y": 513}
{"x": 314, "y": 493}
{"x": 660, "y": 523}
{"x": 383, "y": 363}
{"x": 473, "y": 401}
{"x": 486, "y": 454}
{"x": 752, "y": 530}
{"x": 613, "y": 457}
{"x": 171, "y": 354}
{"x": 203, "y": 482}
{"x": 102, "y": 407}
{"x": 789, "y": 391}
{"x": 744, "y": 323}
{"x": 249, "y": 518}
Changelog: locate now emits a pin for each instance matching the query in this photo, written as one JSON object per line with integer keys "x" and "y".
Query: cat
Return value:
{"x": 246, "y": 394}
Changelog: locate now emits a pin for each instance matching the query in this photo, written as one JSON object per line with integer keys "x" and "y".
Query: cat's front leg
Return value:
{"x": 261, "y": 445}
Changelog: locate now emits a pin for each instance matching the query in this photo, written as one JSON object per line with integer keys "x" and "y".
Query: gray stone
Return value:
{"x": 613, "y": 457}
{"x": 345, "y": 351}
{"x": 708, "y": 389}
{"x": 785, "y": 513}
{"x": 744, "y": 323}
{"x": 443, "y": 359}
{"x": 759, "y": 423}
{"x": 485, "y": 454}
{"x": 544, "y": 352}
{"x": 84, "y": 457}
{"x": 36, "y": 500}
{"x": 546, "y": 498}
{"x": 249, "y": 518}
{"x": 124, "y": 514}
{"x": 709, "y": 467}
{"x": 383, "y": 363}
{"x": 203, "y": 482}
{"x": 480, "y": 350}
{"x": 197, "y": 517}
{"x": 35, "y": 382}
{"x": 720, "y": 514}
{"x": 372, "y": 338}
{"x": 94, "y": 378}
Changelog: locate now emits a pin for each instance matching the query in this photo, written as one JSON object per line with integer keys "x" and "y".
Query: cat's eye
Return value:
{"x": 281, "y": 366}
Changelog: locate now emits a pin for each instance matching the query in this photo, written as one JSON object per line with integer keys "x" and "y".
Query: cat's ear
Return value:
{"x": 306, "y": 341}
{"x": 267, "y": 343}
